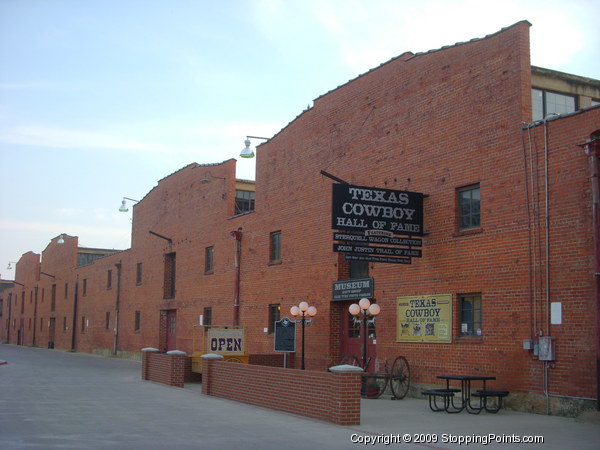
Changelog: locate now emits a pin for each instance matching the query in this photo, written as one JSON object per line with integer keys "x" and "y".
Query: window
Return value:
{"x": 82, "y": 324}
{"x": 53, "y": 299}
{"x": 137, "y": 321}
{"x": 207, "y": 320}
{"x": 109, "y": 279}
{"x": 275, "y": 247}
{"x": 359, "y": 269}
{"x": 1, "y": 301}
{"x": 138, "y": 275}
{"x": 209, "y": 254}
{"x": 545, "y": 103}
{"x": 244, "y": 201}
{"x": 66, "y": 290}
{"x": 107, "y": 320}
{"x": 274, "y": 316}
{"x": 41, "y": 323}
{"x": 169, "y": 284}
{"x": 470, "y": 314}
{"x": 84, "y": 287}
{"x": 468, "y": 207}
{"x": 65, "y": 324}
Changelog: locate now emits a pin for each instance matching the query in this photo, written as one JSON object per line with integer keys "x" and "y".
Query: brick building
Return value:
{"x": 509, "y": 242}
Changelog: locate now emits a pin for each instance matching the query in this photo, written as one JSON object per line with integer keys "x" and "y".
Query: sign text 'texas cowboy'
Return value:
{"x": 360, "y": 208}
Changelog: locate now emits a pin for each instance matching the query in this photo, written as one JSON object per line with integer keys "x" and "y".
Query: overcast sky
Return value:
{"x": 100, "y": 99}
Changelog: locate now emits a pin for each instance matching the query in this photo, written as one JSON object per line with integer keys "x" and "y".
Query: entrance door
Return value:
{"x": 171, "y": 329}
{"x": 351, "y": 339}
{"x": 51, "y": 332}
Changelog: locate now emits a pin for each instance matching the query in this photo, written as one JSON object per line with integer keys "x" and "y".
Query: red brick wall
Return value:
{"x": 163, "y": 368}
{"x": 334, "y": 397}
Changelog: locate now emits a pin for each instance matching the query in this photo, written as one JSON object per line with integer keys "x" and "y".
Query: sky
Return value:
{"x": 100, "y": 99}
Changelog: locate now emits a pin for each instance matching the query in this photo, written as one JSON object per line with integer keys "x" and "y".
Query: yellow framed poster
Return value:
{"x": 424, "y": 318}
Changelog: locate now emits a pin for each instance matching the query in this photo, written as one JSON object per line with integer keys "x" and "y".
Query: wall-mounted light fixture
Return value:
{"x": 9, "y": 267}
{"x": 61, "y": 239}
{"x": 208, "y": 176}
{"x": 48, "y": 275}
{"x": 247, "y": 152}
{"x": 124, "y": 207}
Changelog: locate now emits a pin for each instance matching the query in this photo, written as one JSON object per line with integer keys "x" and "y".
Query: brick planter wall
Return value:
{"x": 163, "y": 368}
{"x": 334, "y": 397}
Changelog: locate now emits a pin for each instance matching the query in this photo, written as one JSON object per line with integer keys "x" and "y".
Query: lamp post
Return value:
{"x": 368, "y": 309}
{"x": 301, "y": 311}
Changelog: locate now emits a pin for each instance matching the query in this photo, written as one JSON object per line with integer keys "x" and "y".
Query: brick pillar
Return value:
{"x": 146, "y": 352}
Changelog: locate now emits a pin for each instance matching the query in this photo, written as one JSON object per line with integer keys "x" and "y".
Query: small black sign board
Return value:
{"x": 360, "y": 238}
{"x": 375, "y": 258}
{"x": 285, "y": 335}
{"x": 381, "y": 251}
{"x": 353, "y": 289}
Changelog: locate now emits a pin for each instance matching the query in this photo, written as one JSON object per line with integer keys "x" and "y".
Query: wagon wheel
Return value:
{"x": 233, "y": 359}
{"x": 400, "y": 377}
{"x": 350, "y": 360}
{"x": 373, "y": 385}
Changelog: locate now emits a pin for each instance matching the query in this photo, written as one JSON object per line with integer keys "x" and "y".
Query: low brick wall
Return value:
{"x": 273, "y": 360}
{"x": 164, "y": 368}
{"x": 334, "y": 397}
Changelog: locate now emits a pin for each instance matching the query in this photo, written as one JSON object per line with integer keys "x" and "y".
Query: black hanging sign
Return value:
{"x": 360, "y": 208}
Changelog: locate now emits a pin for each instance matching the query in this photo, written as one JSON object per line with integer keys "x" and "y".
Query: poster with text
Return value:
{"x": 424, "y": 318}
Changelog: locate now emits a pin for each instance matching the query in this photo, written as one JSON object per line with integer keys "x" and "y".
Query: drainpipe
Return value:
{"x": 35, "y": 302}
{"x": 117, "y": 305}
{"x": 9, "y": 317}
{"x": 547, "y": 245}
{"x": 238, "y": 256}
{"x": 73, "y": 339}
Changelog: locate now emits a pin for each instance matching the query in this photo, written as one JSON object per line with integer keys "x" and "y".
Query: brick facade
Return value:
{"x": 431, "y": 123}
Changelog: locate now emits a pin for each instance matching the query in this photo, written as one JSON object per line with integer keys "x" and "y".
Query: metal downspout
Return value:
{"x": 238, "y": 256}
{"x": 117, "y": 306}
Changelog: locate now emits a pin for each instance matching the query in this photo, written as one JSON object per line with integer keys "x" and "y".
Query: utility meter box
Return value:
{"x": 547, "y": 349}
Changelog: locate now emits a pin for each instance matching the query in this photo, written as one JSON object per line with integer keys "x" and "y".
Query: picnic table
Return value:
{"x": 448, "y": 395}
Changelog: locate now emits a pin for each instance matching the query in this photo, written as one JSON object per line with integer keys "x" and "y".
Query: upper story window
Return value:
{"x": 275, "y": 247}
{"x": 545, "y": 103}
{"x": 138, "y": 274}
{"x": 469, "y": 208}
{"x": 109, "y": 279}
{"x": 209, "y": 259}
{"x": 169, "y": 282}
{"x": 244, "y": 201}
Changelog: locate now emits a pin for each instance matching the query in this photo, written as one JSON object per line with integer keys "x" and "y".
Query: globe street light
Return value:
{"x": 367, "y": 309}
{"x": 301, "y": 311}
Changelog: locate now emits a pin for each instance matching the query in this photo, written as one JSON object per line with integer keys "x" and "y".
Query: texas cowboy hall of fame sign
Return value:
{"x": 370, "y": 220}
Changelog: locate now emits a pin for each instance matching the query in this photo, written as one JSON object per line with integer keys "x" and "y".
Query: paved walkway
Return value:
{"x": 51, "y": 399}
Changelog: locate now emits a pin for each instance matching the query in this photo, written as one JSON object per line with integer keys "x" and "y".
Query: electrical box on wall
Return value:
{"x": 547, "y": 349}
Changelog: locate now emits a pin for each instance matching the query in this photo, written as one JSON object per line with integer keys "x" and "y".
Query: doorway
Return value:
{"x": 51, "y": 332}
{"x": 168, "y": 330}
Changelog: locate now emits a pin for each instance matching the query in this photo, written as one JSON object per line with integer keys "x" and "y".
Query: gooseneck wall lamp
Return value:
{"x": 368, "y": 309}
{"x": 124, "y": 207}
{"x": 300, "y": 314}
{"x": 247, "y": 152}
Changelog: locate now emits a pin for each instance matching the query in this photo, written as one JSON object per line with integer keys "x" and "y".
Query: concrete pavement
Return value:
{"x": 55, "y": 399}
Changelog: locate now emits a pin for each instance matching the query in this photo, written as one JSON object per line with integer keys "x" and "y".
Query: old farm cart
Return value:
{"x": 374, "y": 384}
